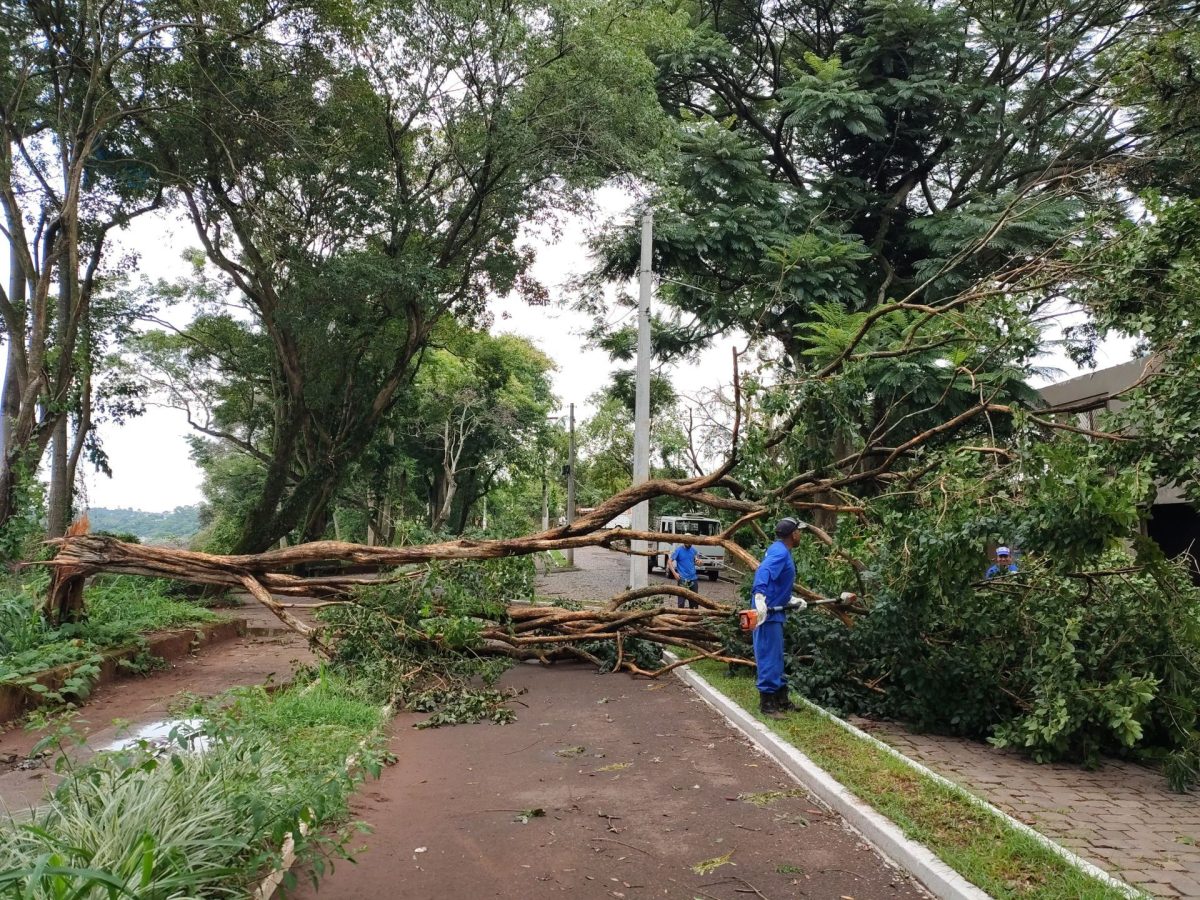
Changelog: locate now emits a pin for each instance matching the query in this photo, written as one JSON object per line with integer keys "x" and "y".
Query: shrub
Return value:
{"x": 1093, "y": 648}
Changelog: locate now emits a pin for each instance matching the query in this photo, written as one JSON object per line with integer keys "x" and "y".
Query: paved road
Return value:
{"x": 1120, "y": 816}
{"x": 602, "y": 574}
{"x": 627, "y": 786}
{"x": 639, "y": 784}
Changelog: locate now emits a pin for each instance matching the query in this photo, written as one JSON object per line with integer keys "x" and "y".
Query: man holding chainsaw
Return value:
{"x": 771, "y": 600}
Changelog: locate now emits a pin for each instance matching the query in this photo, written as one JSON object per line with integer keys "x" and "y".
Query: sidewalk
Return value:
{"x": 1120, "y": 816}
{"x": 638, "y": 783}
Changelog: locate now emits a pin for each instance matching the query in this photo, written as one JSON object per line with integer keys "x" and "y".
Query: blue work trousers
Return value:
{"x": 768, "y": 655}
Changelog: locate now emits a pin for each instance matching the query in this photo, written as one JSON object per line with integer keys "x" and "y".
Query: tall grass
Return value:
{"x": 154, "y": 825}
{"x": 147, "y": 827}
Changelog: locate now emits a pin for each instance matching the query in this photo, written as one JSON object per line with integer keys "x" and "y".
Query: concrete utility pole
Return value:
{"x": 638, "y": 575}
{"x": 571, "y": 480}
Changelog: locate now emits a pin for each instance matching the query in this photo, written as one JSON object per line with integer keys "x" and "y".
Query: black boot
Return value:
{"x": 783, "y": 703}
{"x": 768, "y": 705}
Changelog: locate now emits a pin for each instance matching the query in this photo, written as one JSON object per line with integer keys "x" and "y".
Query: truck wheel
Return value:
{"x": 712, "y": 576}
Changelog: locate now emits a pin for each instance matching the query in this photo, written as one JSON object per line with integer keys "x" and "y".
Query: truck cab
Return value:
{"x": 709, "y": 560}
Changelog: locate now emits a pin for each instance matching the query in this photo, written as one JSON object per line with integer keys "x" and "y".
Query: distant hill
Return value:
{"x": 175, "y": 526}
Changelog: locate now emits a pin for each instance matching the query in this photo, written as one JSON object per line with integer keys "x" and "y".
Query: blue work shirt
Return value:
{"x": 685, "y": 562}
{"x": 995, "y": 570}
{"x": 774, "y": 578}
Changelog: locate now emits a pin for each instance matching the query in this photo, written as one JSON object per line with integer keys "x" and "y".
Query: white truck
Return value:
{"x": 709, "y": 560}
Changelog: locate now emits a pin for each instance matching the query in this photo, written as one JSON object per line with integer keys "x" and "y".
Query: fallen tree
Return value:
{"x": 895, "y": 446}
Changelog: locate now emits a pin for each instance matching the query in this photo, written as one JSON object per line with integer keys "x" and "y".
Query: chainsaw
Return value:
{"x": 748, "y": 618}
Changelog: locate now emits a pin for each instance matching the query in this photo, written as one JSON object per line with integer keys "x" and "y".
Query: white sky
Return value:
{"x": 149, "y": 456}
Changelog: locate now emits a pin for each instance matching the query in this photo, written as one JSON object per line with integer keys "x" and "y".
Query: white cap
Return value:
{"x": 1002, "y": 551}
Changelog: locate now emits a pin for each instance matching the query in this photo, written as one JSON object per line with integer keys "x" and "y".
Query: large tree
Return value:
{"x": 369, "y": 176}
{"x": 847, "y": 152}
{"x": 834, "y": 157}
{"x": 69, "y": 175}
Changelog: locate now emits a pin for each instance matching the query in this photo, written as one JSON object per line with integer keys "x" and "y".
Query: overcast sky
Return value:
{"x": 149, "y": 456}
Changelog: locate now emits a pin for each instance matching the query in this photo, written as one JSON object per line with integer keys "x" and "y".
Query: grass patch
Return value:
{"x": 155, "y": 823}
{"x": 121, "y": 609}
{"x": 980, "y": 846}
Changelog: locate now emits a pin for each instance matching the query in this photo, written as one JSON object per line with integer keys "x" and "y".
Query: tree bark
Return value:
{"x": 10, "y": 398}
{"x": 58, "y": 511}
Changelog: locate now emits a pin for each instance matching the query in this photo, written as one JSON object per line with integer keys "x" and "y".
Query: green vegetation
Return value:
{"x": 1089, "y": 650}
{"x": 122, "y": 610}
{"x": 200, "y": 820}
{"x": 173, "y": 527}
{"x": 1006, "y": 863}
{"x": 416, "y": 643}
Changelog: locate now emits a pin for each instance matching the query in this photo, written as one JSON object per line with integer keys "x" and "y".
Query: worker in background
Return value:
{"x": 682, "y": 567}
{"x": 771, "y": 596}
{"x": 1004, "y": 564}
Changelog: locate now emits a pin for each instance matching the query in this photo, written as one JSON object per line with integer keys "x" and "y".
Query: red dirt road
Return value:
{"x": 652, "y": 793}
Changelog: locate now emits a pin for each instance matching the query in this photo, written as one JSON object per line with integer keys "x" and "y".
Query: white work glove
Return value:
{"x": 760, "y": 607}
{"x": 847, "y": 597}
{"x": 796, "y": 604}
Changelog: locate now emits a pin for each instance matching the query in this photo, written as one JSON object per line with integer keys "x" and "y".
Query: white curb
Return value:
{"x": 889, "y": 840}
{"x": 919, "y": 860}
{"x": 1072, "y": 859}
{"x": 287, "y": 852}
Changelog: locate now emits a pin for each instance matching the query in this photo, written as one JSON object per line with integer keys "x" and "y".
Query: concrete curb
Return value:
{"x": 178, "y": 643}
{"x": 287, "y": 852}
{"x": 1072, "y": 859}
{"x": 941, "y": 880}
{"x": 767, "y": 740}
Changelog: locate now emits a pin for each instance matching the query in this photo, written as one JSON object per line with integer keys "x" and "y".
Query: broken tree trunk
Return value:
{"x": 525, "y": 631}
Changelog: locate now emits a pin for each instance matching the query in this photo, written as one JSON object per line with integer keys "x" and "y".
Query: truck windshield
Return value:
{"x": 706, "y": 527}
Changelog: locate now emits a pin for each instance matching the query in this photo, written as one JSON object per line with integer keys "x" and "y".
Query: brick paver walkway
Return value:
{"x": 1120, "y": 816}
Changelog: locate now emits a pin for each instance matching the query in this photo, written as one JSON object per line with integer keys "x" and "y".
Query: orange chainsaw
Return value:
{"x": 748, "y": 618}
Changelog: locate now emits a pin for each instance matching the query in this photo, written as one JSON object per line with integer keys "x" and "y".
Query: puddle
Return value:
{"x": 158, "y": 735}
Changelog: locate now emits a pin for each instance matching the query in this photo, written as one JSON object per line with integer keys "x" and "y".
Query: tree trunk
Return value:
{"x": 261, "y": 527}
{"x": 372, "y": 536}
{"x": 83, "y": 423}
{"x": 58, "y": 511}
{"x": 10, "y": 398}
{"x": 449, "y": 487}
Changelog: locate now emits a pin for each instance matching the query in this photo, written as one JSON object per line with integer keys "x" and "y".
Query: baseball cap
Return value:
{"x": 1002, "y": 551}
{"x": 784, "y": 527}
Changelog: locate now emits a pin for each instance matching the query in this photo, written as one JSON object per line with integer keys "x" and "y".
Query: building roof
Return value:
{"x": 1096, "y": 386}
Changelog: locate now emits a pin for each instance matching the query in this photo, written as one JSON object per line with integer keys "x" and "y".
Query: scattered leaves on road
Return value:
{"x": 711, "y": 865}
{"x": 766, "y": 798}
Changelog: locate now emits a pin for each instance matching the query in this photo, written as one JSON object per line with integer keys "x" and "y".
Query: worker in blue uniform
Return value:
{"x": 1004, "y": 564}
{"x": 771, "y": 596}
{"x": 682, "y": 567}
